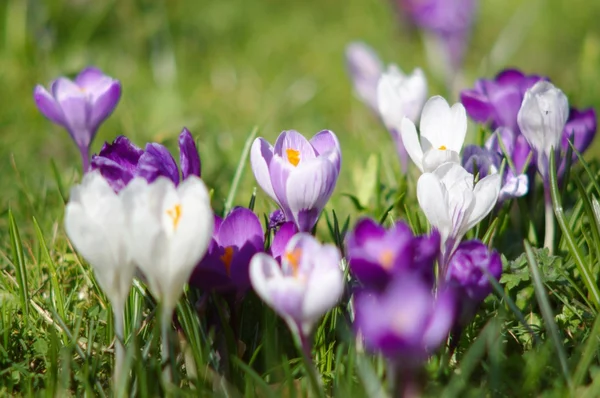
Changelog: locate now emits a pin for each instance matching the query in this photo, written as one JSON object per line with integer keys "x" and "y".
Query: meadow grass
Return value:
{"x": 223, "y": 69}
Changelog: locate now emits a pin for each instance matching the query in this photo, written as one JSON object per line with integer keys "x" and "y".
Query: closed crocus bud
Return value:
{"x": 308, "y": 283}
{"x": 235, "y": 240}
{"x": 364, "y": 68}
{"x": 400, "y": 96}
{"x": 121, "y": 161}
{"x": 443, "y": 129}
{"x": 542, "y": 118}
{"x": 171, "y": 228}
{"x": 80, "y": 106}
{"x": 453, "y": 204}
{"x": 96, "y": 223}
{"x": 375, "y": 254}
{"x": 300, "y": 175}
{"x": 405, "y": 322}
{"x": 469, "y": 267}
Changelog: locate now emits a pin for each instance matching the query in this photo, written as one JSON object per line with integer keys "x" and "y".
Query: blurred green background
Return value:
{"x": 220, "y": 67}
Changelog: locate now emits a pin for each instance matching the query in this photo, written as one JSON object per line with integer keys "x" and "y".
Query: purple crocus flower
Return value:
{"x": 498, "y": 101}
{"x": 235, "y": 240}
{"x": 80, "y": 106}
{"x": 448, "y": 20}
{"x": 364, "y": 68}
{"x": 121, "y": 161}
{"x": 300, "y": 175}
{"x": 485, "y": 161}
{"x": 580, "y": 129}
{"x": 469, "y": 267}
{"x": 375, "y": 254}
{"x": 308, "y": 283}
{"x": 405, "y": 322}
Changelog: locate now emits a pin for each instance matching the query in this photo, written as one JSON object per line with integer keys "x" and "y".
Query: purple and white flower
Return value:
{"x": 298, "y": 174}
{"x": 80, "y": 106}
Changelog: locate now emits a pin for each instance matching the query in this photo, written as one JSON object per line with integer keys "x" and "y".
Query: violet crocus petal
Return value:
{"x": 282, "y": 238}
{"x": 514, "y": 187}
{"x": 276, "y": 219}
{"x": 239, "y": 267}
{"x": 480, "y": 159}
{"x": 48, "y": 106}
{"x": 157, "y": 161}
{"x": 325, "y": 285}
{"x": 123, "y": 152}
{"x": 218, "y": 223}
{"x": 580, "y": 129}
{"x": 477, "y": 105}
{"x": 241, "y": 226}
{"x": 189, "y": 159}
{"x": 308, "y": 188}
{"x": 326, "y": 143}
{"x": 279, "y": 172}
{"x": 365, "y": 229}
{"x": 441, "y": 321}
{"x": 76, "y": 111}
{"x": 104, "y": 104}
{"x": 292, "y": 140}
{"x": 89, "y": 77}
{"x": 113, "y": 172}
{"x": 261, "y": 155}
{"x": 365, "y": 68}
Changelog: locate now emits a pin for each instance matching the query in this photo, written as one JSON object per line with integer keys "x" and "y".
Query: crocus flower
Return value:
{"x": 375, "y": 254}
{"x": 121, "y": 161}
{"x": 80, "y": 106}
{"x": 453, "y": 204}
{"x": 443, "y": 129}
{"x": 399, "y": 96}
{"x": 498, "y": 101}
{"x": 235, "y": 240}
{"x": 96, "y": 223}
{"x": 298, "y": 174}
{"x": 580, "y": 129}
{"x": 281, "y": 238}
{"x": 170, "y": 230}
{"x": 484, "y": 162}
{"x": 448, "y": 21}
{"x": 469, "y": 267}
{"x": 308, "y": 283}
{"x": 364, "y": 68}
{"x": 405, "y": 322}
{"x": 542, "y": 119}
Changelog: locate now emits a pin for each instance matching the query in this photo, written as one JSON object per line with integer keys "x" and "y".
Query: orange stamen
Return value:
{"x": 226, "y": 258}
{"x": 442, "y": 148}
{"x": 175, "y": 214}
{"x": 387, "y": 259}
{"x": 293, "y": 156}
{"x": 293, "y": 258}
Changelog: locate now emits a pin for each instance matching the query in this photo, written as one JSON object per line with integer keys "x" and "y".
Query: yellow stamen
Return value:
{"x": 293, "y": 156}
{"x": 175, "y": 214}
{"x": 442, "y": 148}
{"x": 293, "y": 258}
{"x": 387, "y": 259}
{"x": 226, "y": 259}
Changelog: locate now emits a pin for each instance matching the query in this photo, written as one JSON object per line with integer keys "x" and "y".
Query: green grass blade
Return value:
{"x": 546, "y": 310}
{"x": 589, "y": 352}
{"x": 239, "y": 171}
{"x": 586, "y": 275}
{"x": 19, "y": 263}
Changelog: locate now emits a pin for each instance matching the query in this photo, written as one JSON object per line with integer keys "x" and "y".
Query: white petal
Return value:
{"x": 457, "y": 130}
{"x": 432, "y": 198}
{"x": 263, "y": 269}
{"x": 436, "y": 119}
{"x": 411, "y": 142}
{"x": 435, "y": 158}
{"x": 261, "y": 154}
{"x": 486, "y": 195}
{"x": 515, "y": 187}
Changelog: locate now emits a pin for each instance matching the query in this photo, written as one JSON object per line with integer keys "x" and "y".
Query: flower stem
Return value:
{"x": 305, "y": 349}
{"x": 549, "y": 221}
{"x": 165, "y": 325}
{"x": 119, "y": 349}
{"x": 403, "y": 381}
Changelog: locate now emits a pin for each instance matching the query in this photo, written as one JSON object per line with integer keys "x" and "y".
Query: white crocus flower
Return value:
{"x": 95, "y": 221}
{"x": 443, "y": 129}
{"x": 171, "y": 228}
{"x": 400, "y": 95}
{"x": 453, "y": 204}
{"x": 542, "y": 118}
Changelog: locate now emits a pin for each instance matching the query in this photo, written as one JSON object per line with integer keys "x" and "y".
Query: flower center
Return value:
{"x": 175, "y": 214}
{"x": 226, "y": 259}
{"x": 387, "y": 259}
{"x": 442, "y": 148}
{"x": 293, "y": 258}
{"x": 293, "y": 156}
